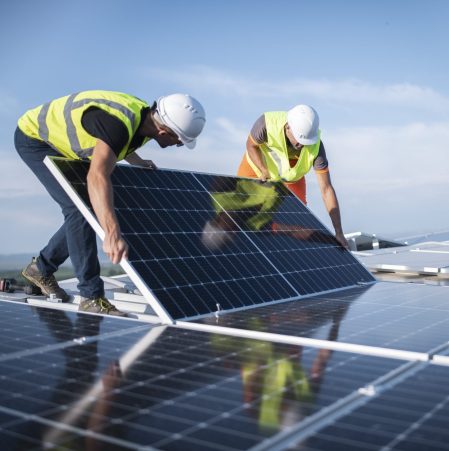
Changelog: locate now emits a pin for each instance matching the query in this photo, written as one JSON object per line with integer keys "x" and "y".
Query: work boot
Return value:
{"x": 99, "y": 305}
{"x": 47, "y": 284}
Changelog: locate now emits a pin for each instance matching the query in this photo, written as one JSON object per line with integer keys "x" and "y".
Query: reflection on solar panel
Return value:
{"x": 178, "y": 389}
{"x": 95, "y": 382}
{"x": 201, "y": 243}
{"x": 406, "y": 317}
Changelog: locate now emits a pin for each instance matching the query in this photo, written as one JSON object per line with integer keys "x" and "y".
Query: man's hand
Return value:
{"x": 342, "y": 240}
{"x": 332, "y": 207}
{"x": 255, "y": 154}
{"x": 112, "y": 377}
{"x": 136, "y": 160}
{"x": 149, "y": 164}
{"x": 265, "y": 175}
{"x": 115, "y": 248}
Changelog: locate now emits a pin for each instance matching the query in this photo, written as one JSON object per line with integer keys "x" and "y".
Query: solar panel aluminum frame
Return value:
{"x": 147, "y": 293}
{"x": 375, "y": 351}
{"x": 92, "y": 220}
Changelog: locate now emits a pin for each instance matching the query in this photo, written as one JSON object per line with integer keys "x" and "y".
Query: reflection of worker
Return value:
{"x": 285, "y": 146}
{"x": 278, "y": 390}
{"x": 103, "y": 127}
{"x": 243, "y": 202}
{"x": 75, "y": 377}
{"x": 97, "y": 420}
{"x": 249, "y": 205}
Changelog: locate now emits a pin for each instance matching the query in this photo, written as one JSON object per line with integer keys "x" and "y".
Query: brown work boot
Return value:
{"x": 48, "y": 285}
{"x": 99, "y": 305}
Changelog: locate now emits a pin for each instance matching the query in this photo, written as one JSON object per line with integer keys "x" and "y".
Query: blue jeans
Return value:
{"x": 75, "y": 238}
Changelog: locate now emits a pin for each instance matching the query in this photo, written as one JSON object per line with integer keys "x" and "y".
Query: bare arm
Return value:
{"x": 136, "y": 160}
{"x": 101, "y": 197}
{"x": 331, "y": 203}
{"x": 255, "y": 154}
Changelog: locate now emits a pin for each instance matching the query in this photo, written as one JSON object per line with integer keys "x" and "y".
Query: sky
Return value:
{"x": 376, "y": 72}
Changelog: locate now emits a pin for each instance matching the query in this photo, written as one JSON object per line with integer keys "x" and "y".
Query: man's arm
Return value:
{"x": 101, "y": 197}
{"x": 255, "y": 154}
{"x": 135, "y": 159}
{"x": 331, "y": 203}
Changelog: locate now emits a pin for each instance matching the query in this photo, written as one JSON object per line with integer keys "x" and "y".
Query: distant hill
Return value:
{"x": 11, "y": 262}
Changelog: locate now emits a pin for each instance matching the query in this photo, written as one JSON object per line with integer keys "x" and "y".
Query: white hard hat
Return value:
{"x": 184, "y": 115}
{"x": 214, "y": 237}
{"x": 304, "y": 123}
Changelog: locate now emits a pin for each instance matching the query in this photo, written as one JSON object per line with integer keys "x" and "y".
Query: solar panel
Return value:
{"x": 201, "y": 243}
{"x": 67, "y": 326}
{"x": 75, "y": 381}
{"x": 411, "y": 416}
{"x": 179, "y": 390}
{"x": 406, "y": 317}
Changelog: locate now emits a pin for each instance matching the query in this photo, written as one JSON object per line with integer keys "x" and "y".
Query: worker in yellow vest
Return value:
{"x": 284, "y": 146}
{"x": 102, "y": 127}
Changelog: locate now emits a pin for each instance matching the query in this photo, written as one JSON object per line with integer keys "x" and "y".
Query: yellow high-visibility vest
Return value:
{"x": 275, "y": 151}
{"x": 58, "y": 122}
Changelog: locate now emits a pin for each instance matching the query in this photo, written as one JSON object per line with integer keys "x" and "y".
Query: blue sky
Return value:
{"x": 376, "y": 71}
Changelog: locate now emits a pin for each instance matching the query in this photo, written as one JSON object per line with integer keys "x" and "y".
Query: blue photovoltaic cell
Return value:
{"x": 179, "y": 389}
{"x": 409, "y": 317}
{"x": 22, "y": 328}
{"x": 203, "y": 242}
{"x": 411, "y": 416}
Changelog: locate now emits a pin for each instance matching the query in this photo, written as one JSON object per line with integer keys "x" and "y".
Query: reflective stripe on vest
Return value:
{"x": 275, "y": 151}
{"x": 58, "y": 122}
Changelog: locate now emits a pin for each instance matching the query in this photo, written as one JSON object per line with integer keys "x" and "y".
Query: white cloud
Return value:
{"x": 16, "y": 180}
{"x": 413, "y": 155}
{"x": 28, "y": 216}
{"x": 27, "y": 223}
{"x": 389, "y": 178}
{"x": 232, "y": 132}
{"x": 202, "y": 79}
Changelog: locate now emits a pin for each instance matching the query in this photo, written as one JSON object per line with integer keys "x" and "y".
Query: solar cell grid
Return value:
{"x": 31, "y": 335}
{"x": 411, "y": 416}
{"x": 185, "y": 389}
{"x": 389, "y": 315}
{"x": 203, "y": 243}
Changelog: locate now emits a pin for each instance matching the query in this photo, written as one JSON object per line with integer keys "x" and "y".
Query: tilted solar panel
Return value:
{"x": 201, "y": 243}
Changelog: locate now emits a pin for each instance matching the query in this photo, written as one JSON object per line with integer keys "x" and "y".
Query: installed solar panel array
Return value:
{"x": 79, "y": 381}
{"x": 203, "y": 243}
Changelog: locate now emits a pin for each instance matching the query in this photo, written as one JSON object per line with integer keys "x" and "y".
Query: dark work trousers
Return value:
{"x": 75, "y": 238}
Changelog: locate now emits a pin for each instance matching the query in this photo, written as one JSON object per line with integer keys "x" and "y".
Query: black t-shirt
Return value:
{"x": 112, "y": 130}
